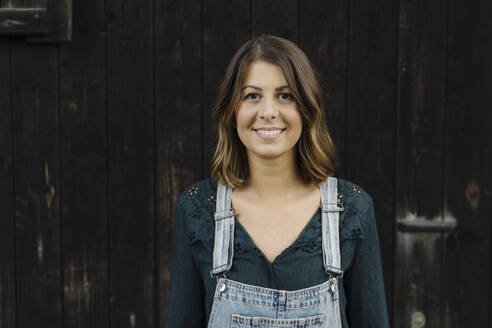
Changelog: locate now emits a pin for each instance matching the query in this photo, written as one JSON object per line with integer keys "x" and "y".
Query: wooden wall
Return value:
{"x": 99, "y": 135}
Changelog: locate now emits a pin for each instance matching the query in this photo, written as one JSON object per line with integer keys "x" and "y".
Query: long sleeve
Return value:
{"x": 366, "y": 300}
{"x": 186, "y": 298}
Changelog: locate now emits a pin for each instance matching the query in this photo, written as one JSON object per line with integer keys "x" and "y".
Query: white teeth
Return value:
{"x": 269, "y": 132}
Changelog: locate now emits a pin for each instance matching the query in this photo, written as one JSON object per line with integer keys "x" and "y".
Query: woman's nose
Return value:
{"x": 268, "y": 109}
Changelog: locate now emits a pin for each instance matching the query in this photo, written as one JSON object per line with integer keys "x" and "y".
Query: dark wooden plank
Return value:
{"x": 486, "y": 78}
{"x": 41, "y": 20}
{"x": 23, "y": 21}
{"x": 370, "y": 123}
{"x": 224, "y": 31}
{"x": 36, "y": 176}
{"x": 468, "y": 169}
{"x": 277, "y": 17}
{"x": 59, "y": 24}
{"x": 178, "y": 85}
{"x": 7, "y": 233}
{"x": 131, "y": 163}
{"x": 25, "y": 3}
{"x": 323, "y": 30}
{"x": 84, "y": 170}
{"x": 419, "y": 160}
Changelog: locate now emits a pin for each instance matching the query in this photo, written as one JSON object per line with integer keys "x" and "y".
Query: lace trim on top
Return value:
{"x": 199, "y": 207}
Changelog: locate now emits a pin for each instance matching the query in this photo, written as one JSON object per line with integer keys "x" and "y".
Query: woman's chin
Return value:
{"x": 270, "y": 154}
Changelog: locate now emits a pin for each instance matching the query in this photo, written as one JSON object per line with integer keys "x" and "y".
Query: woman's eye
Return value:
{"x": 285, "y": 96}
{"x": 253, "y": 96}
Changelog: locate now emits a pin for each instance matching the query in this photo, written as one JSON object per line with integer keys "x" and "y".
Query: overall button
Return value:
{"x": 222, "y": 286}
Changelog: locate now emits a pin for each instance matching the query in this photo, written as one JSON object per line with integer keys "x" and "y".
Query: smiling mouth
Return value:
{"x": 270, "y": 133}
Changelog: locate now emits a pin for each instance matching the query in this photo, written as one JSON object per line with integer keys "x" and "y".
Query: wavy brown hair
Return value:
{"x": 316, "y": 154}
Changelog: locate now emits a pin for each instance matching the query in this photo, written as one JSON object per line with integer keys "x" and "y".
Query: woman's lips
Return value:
{"x": 269, "y": 134}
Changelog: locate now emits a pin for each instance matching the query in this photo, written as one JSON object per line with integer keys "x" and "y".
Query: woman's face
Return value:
{"x": 268, "y": 121}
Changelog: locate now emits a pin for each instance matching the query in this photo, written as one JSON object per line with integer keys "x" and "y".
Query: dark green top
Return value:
{"x": 362, "y": 298}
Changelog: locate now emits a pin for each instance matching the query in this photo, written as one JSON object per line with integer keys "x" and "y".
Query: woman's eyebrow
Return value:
{"x": 258, "y": 88}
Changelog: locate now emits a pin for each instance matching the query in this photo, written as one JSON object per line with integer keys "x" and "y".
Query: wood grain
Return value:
{"x": 370, "y": 127}
{"x": 7, "y": 218}
{"x": 328, "y": 55}
{"x": 277, "y": 17}
{"x": 37, "y": 185}
{"x": 419, "y": 160}
{"x": 467, "y": 168}
{"x": 222, "y": 37}
{"x": 131, "y": 163}
{"x": 178, "y": 115}
{"x": 84, "y": 170}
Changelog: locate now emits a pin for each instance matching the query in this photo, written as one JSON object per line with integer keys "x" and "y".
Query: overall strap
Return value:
{"x": 329, "y": 222}
{"x": 224, "y": 231}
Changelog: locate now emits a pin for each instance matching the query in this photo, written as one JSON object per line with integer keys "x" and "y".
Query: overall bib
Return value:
{"x": 240, "y": 305}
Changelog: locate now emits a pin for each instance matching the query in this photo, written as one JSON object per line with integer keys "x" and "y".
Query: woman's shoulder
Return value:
{"x": 197, "y": 205}
{"x": 198, "y": 194}
{"x": 354, "y": 195}
{"x": 357, "y": 204}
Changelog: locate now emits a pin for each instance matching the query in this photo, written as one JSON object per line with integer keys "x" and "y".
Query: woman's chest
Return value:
{"x": 274, "y": 227}
{"x": 274, "y": 231}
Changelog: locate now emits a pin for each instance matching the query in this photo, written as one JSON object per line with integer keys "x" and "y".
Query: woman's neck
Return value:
{"x": 274, "y": 179}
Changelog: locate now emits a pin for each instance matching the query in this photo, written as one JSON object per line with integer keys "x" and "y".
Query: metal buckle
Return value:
{"x": 224, "y": 214}
{"x": 212, "y": 275}
{"x": 334, "y": 272}
{"x": 332, "y": 207}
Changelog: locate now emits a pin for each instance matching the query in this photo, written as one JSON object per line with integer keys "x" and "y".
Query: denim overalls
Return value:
{"x": 240, "y": 305}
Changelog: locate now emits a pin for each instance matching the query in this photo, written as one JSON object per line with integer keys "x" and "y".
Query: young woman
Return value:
{"x": 272, "y": 239}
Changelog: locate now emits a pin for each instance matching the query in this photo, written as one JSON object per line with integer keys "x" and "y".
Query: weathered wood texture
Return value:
{"x": 59, "y": 27}
{"x": 131, "y": 151}
{"x": 278, "y": 17}
{"x": 485, "y": 35}
{"x": 419, "y": 160}
{"x": 99, "y": 135}
{"x": 84, "y": 173}
{"x": 7, "y": 233}
{"x": 39, "y": 20}
{"x": 328, "y": 56}
{"x": 467, "y": 168}
{"x": 221, "y": 38}
{"x": 36, "y": 187}
{"x": 178, "y": 113}
{"x": 23, "y": 21}
{"x": 370, "y": 121}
